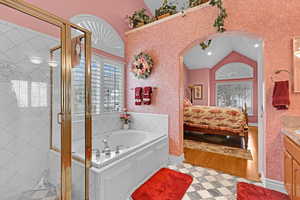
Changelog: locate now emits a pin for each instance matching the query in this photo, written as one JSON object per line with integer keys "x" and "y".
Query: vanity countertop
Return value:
{"x": 291, "y": 133}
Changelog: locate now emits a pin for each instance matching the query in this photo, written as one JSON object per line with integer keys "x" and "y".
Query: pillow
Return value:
{"x": 187, "y": 102}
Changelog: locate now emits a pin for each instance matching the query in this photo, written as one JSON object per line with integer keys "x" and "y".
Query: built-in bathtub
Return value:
{"x": 127, "y": 141}
{"x": 116, "y": 176}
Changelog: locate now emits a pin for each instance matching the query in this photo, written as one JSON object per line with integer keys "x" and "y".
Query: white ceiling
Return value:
{"x": 220, "y": 47}
{"x": 154, "y": 4}
{"x": 19, "y": 48}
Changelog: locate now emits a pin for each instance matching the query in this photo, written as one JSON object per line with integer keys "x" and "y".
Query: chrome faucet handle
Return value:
{"x": 105, "y": 142}
{"x": 106, "y": 150}
{"x": 118, "y": 148}
{"x": 97, "y": 151}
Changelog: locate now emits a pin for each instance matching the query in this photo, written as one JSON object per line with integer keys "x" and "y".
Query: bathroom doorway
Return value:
{"x": 230, "y": 73}
{"x": 27, "y": 105}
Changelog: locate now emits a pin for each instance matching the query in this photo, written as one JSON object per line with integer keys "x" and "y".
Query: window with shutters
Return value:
{"x": 107, "y": 86}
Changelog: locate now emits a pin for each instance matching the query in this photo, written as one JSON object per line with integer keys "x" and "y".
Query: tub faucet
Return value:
{"x": 106, "y": 150}
{"x": 97, "y": 153}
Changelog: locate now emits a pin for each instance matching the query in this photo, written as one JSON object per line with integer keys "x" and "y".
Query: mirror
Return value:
{"x": 296, "y": 67}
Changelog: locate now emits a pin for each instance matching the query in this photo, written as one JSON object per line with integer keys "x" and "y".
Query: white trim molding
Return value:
{"x": 104, "y": 36}
{"x": 274, "y": 185}
{"x": 175, "y": 160}
{"x": 253, "y": 124}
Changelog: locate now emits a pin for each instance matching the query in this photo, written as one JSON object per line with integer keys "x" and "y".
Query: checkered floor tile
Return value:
{"x": 209, "y": 184}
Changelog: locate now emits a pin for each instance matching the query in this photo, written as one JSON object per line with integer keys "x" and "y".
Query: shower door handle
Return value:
{"x": 59, "y": 117}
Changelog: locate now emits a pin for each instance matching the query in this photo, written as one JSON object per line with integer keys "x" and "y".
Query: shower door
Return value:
{"x": 79, "y": 142}
{"x": 36, "y": 105}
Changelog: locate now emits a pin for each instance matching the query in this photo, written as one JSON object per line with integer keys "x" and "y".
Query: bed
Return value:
{"x": 217, "y": 120}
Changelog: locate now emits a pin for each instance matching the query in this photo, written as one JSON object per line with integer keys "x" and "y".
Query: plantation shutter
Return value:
{"x": 112, "y": 88}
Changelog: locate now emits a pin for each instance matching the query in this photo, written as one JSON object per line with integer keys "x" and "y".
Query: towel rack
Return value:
{"x": 154, "y": 88}
{"x": 278, "y": 72}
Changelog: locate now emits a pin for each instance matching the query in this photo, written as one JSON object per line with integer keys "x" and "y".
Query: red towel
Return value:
{"x": 138, "y": 96}
{"x": 281, "y": 96}
{"x": 147, "y": 95}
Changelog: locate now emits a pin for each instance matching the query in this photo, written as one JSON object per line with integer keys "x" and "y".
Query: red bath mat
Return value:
{"x": 166, "y": 184}
{"x": 247, "y": 191}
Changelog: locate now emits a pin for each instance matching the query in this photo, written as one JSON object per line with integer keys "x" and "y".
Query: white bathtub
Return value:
{"x": 128, "y": 140}
{"x": 116, "y": 177}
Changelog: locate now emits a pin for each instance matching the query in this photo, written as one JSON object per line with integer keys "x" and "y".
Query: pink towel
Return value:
{"x": 75, "y": 51}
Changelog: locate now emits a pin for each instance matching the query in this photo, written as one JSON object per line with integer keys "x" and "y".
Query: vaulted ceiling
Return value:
{"x": 220, "y": 47}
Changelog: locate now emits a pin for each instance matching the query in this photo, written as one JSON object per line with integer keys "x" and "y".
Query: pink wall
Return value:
{"x": 113, "y": 11}
{"x": 186, "y": 82}
{"x": 274, "y": 21}
{"x": 235, "y": 57}
{"x": 200, "y": 76}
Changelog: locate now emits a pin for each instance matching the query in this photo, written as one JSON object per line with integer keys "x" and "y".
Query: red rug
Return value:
{"x": 166, "y": 184}
{"x": 247, "y": 191}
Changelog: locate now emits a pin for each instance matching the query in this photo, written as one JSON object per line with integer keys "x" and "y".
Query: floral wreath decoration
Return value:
{"x": 142, "y": 65}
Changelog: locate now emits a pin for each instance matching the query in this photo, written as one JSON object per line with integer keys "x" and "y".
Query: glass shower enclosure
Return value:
{"x": 38, "y": 121}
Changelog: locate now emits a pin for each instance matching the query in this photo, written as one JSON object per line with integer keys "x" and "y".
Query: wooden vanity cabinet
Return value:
{"x": 288, "y": 178}
{"x": 292, "y": 168}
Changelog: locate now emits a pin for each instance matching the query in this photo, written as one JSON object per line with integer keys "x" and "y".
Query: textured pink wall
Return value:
{"x": 274, "y": 21}
{"x": 235, "y": 57}
{"x": 186, "y": 82}
{"x": 200, "y": 76}
{"x": 113, "y": 11}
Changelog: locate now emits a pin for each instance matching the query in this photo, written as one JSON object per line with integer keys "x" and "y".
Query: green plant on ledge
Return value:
{"x": 194, "y": 3}
{"x": 139, "y": 18}
{"x": 165, "y": 9}
{"x": 219, "y": 21}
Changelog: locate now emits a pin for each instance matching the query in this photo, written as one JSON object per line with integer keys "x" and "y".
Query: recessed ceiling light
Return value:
{"x": 36, "y": 60}
{"x": 256, "y": 45}
{"x": 209, "y": 53}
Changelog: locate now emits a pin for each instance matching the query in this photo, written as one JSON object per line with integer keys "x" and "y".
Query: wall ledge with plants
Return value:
{"x": 140, "y": 20}
{"x": 170, "y": 17}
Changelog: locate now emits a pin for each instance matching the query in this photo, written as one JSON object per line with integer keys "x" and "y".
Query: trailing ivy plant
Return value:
{"x": 205, "y": 45}
{"x": 219, "y": 21}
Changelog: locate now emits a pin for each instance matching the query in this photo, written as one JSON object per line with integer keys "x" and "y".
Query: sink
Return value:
{"x": 297, "y": 131}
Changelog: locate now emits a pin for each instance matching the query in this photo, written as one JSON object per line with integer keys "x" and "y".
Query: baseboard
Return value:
{"x": 274, "y": 185}
{"x": 253, "y": 124}
{"x": 175, "y": 160}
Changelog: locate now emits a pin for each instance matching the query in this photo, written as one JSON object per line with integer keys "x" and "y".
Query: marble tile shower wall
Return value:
{"x": 24, "y": 109}
{"x": 102, "y": 124}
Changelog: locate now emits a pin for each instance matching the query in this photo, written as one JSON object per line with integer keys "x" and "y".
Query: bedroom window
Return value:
{"x": 235, "y": 95}
{"x": 234, "y": 71}
{"x": 107, "y": 86}
{"x": 234, "y": 86}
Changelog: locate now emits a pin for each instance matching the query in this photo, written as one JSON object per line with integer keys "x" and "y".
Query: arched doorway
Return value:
{"x": 257, "y": 55}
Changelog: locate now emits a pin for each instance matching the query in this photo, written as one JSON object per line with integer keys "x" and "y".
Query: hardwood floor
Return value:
{"x": 235, "y": 166}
